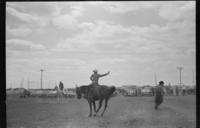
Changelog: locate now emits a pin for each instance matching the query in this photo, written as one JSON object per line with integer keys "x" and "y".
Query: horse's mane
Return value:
{"x": 84, "y": 88}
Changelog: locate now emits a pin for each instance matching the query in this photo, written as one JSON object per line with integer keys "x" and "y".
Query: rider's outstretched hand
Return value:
{"x": 108, "y": 72}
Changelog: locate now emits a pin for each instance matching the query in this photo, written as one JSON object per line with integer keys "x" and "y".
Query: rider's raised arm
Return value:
{"x": 104, "y": 74}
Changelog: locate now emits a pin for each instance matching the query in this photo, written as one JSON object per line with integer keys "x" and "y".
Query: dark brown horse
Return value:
{"x": 94, "y": 93}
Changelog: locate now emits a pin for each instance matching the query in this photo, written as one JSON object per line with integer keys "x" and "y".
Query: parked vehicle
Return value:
{"x": 25, "y": 93}
{"x": 147, "y": 91}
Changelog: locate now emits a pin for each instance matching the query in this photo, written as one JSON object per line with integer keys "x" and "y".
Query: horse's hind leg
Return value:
{"x": 90, "y": 104}
{"x": 94, "y": 105}
{"x": 106, "y": 103}
{"x": 100, "y": 104}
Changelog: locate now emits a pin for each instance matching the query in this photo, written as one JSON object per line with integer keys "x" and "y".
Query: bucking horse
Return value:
{"x": 94, "y": 93}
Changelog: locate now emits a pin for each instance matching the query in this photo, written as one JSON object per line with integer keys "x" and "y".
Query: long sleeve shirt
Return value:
{"x": 95, "y": 77}
{"x": 159, "y": 91}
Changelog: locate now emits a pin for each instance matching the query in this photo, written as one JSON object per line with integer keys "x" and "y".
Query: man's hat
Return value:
{"x": 95, "y": 70}
{"x": 161, "y": 82}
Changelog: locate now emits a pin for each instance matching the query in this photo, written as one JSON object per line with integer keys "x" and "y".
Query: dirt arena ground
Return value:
{"x": 122, "y": 112}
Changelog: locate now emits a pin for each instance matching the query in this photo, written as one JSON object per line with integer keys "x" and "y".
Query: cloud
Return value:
{"x": 37, "y": 8}
{"x": 124, "y": 7}
{"x": 50, "y": 64}
{"x": 173, "y": 11}
{"x": 77, "y": 9}
{"x": 110, "y": 62}
{"x": 167, "y": 9}
{"x": 65, "y": 21}
{"x": 154, "y": 41}
{"x": 68, "y": 20}
{"x": 85, "y": 41}
{"x": 107, "y": 37}
{"x": 63, "y": 63}
{"x": 22, "y": 45}
{"x": 20, "y": 15}
{"x": 87, "y": 25}
{"x": 31, "y": 19}
{"x": 20, "y": 31}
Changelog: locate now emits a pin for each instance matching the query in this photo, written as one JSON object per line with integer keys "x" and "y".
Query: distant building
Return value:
{"x": 128, "y": 90}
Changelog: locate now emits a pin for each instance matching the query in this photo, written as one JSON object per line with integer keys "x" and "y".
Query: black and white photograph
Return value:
{"x": 100, "y": 64}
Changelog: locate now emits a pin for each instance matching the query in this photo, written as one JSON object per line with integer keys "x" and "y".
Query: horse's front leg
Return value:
{"x": 100, "y": 104}
{"x": 90, "y": 104}
{"x": 61, "y": 95}
{"x": 106, "y": 103}
{"x": 58, "y": 97}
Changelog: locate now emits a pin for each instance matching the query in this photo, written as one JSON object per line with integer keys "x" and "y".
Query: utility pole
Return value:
{"x": 180, "y": 69}
{"x": 28, "y": 83}
{"x": 41, "y": 78}
{"x": 155, "y": 78}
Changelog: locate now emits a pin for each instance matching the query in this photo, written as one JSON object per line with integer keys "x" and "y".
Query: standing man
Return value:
{"x": 183, "y": 90}
{"x": 177, "y": 91}
{"x": 159, "y": 93}
{"x": 95, "y": 77}
{"x": 61, "y": 86}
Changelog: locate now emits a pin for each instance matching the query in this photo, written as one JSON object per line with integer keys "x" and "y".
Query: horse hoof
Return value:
{"x": 94, "y": 115}
{"x": 89, "y": 115}
{"x": 101, "y": 114}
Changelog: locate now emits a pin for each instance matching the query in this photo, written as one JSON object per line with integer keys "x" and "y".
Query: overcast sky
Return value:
{"x": 132, "y": 40}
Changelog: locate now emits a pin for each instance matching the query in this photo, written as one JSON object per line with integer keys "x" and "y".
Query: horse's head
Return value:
{"x": 78, "y": 92}
{"x": 113, "y": 89}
